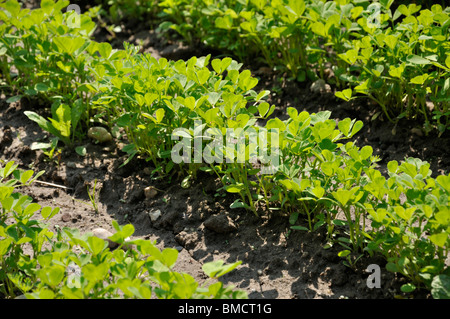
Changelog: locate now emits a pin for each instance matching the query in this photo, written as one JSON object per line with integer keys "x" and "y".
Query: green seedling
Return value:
{"x": 50, "y": 150}
{"x": 92, "y": 197}
{"x": 349, "y": 260}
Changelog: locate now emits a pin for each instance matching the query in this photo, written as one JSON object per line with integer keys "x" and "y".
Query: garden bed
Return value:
{"x": 277, "y": 262}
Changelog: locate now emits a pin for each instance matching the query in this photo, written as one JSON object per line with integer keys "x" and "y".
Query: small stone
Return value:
{"x": 150, "y": 192}
{"x": 154, "y": 215}
{"x": 220, "y": 224}
{"x": 260, "y": 272}
{"x": 104, "y": 234}
{"x": 417, "y": 131}
{"x": 71, "y": 165}
{"x": 320, "y": 86}
{"x": 100, "y": 134}
{"x": 66, "y": 217}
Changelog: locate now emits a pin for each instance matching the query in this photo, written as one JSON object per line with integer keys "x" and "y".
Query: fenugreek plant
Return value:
{"x": 69, "y": 265}
{"x": 183, "y": 116}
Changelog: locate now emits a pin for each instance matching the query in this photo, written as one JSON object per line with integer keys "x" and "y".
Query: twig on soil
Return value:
{"x": 52, "y": 184}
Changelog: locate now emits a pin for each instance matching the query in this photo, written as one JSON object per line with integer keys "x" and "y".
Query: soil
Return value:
{"x": 276, "y": 263}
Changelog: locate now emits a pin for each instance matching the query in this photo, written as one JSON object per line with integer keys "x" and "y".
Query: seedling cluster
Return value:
{"x": 321, "y": 178}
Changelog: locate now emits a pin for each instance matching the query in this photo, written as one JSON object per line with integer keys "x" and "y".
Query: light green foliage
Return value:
{"x": 320, "y": 176}
{"x": 137, "y": 269}
{"x": 398, "y": 59}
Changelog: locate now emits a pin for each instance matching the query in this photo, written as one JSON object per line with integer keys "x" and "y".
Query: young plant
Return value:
{"x": 18, "y": 228}
{"x": 92, "y": 197}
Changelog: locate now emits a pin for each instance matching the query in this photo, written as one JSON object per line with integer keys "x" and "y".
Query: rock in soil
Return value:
{"x": 220, "y": 224}
{"x": 104, "y": 234}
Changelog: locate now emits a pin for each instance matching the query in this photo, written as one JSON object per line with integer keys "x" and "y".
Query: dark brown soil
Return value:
{"x": 276, "y": 262}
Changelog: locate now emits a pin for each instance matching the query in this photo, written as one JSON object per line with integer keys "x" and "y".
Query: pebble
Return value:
{"x": 260, "y": 272}
{"x": 150, "y": 192}
{"x": 66, "y": 217}
{"x": 71, "y": 165}
{"x": 220, "y": 224}
{"x": 100, "y": 134}
{"x": 320, "y": 86}
{"x": 104, "y": 234}
{"x": 154, "y": 215}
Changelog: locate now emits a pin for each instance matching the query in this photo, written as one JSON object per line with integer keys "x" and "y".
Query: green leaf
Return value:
{"x": 159, "y": 115}
{"x": 63, "y": 121}
{"x": 48, "y": 212}
{"x": 234, "y": 188}
{"x": 169, "y": 257}
{"x": 391, "y": 41}
{"x": 4, "y": 246}
{"x": 263, "y": 108}
{"x": 318, "y": 191}
{"x": 392, "y": 267}
{"x": 203, "y": 76}
{"x": 444, "y": 181}
{"x": 52, "y": 275}
{"x": 238, "y": 204}
{"x": 345, "y": 94}
{"x": 81, "y": 150}
{"x": 68, "y": 44}
{"x": 14, "y": 99}
{"x": 104, "y": 48}
{"x": 41, "y": 87}
{"x": 225, "y": 22}
{"x": 220, "y": 65}
{"x": 297, "y": 7}
{"x": 344, "y": 253}
{"x": 95, "y": 273}
{"x": 366, "y": 152}
{"x": 96, "y": 245}
{"x": 216, "y": 269}
{"x": 213, "y": 97}
{"x": 420, "y": 79}
{"x": 415, "y": 59}
{"x": 408, "y": 287}
{"x": 344, "y": 126}
{"x": 440, "y": 287}
{"x": 12, "y": 7}
{"x": 47, "y": 6}
{"x": 343, "y": 196}
{"x": 31, "y": 209}
{"x": 300, "y": 228}
{"x": 25, "y": 176}
{"x": 392, "y": 166}
{"x": 319, "y": 28}
{"x": 439, "y": 239}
